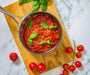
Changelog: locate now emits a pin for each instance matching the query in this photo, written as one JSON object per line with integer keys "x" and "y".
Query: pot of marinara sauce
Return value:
{"x": 40, "y": 32}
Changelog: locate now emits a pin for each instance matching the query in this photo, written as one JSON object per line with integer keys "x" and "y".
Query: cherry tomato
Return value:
{"x": 61, "y": 74}
{"x": 66, "y": 66}
{"x": 69, "y": 50}
{"x": 78, "y": 64}
{"x": 33, "y": 66}
{"x": 65, "y": 72}
{"x": 13, "y": 56}
{"x": 72, "y": 68}
{"x": 41, "y": 67}
{"x": 78, "y": 54}
{"x": 80, "y": 48}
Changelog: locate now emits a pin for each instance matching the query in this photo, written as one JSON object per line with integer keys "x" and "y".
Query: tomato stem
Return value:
{"x": 39, "y": 72}
{"x": 74, "y": 52}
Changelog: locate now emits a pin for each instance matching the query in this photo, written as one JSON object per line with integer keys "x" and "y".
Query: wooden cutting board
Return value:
{"x": 52, "y": 60}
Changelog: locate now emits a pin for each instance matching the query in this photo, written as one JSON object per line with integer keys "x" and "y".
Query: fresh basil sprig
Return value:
{"x": 44, "y": 6}
{"x": 53, "y": 27}
{"x": 30, "y": 42}
{"x": 43, "y": 1}
{"x": 49, "y": 42}
{"x": 30, "y": 24}
{"x": 44, "y": 25}
{"x": 34, "y": 36}
{"x": 42, "y": 42}
{"x": 24, "y": 1}
{"x": 35, "y": 5}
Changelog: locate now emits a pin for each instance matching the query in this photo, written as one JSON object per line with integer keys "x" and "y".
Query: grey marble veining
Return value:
{"x": 75, "y": 15}
{"x": 68, "y": 9}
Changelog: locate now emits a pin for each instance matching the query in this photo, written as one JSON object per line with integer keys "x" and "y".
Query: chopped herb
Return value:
{"x": 30, "y": 24}
{"x": 34, "y": 36}
{"x": 30, "y": 42}
{"x": 49, "y": 42}
{"x": 53, "y": 27}
{"x": 44, "y": 25}
{"x": 42, "y": 42}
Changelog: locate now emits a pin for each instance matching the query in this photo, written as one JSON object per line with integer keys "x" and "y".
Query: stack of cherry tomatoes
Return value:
{"x": 67, "y": 68}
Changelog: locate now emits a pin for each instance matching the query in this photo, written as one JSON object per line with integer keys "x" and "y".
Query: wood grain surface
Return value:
{"x": 52, "y": 60}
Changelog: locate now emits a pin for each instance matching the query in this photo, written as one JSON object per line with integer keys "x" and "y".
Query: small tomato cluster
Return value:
{"x": 67, "y": 68}
{"x": 33, "y": 66}
{"x": 40, "y": 68}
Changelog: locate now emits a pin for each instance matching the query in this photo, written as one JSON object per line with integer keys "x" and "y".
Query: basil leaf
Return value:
{"x": 30, "y": 42}
{"x": 35, "y": 2}
{"x": 24, "y": 1}
{"x": 30, "y": 24}
{"x": 44, "y": 25}
{"x": 35, "y": 6}
{"x": 43, "y": 1}
{"x": 44, "y": 6}
{"x": 49, "y": 42}
{"x": 53, "y": 27}
{"x": 34, "y": 36}
{"x": 42, "y": 42}
{"x": 28, "y": 27}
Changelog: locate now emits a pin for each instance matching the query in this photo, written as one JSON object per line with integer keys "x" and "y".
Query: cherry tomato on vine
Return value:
{"x": 41, "y": 67}
{"x": 78, "y": 64}
{"x": 66, "y": 66}
{"x": 69, "y": 50}
{"x": 80, "y": 48}
{"x": 33, "y": 66}
{"x": 13, "y": 56}
{"x": 78, "y": 54}
{"x": 65, "y": 72}
{"x": 72, "y": 68}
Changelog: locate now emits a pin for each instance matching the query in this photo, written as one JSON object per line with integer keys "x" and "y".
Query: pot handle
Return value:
{"x": 9, "y": 14}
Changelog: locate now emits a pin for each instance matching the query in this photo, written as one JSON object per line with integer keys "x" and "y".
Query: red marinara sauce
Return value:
{"x": 44, "y": 33}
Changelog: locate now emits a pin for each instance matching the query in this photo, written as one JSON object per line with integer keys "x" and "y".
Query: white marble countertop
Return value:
{"x": 76, "y": 18}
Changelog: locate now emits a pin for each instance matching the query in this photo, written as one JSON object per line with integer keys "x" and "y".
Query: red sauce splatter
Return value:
{"x": 44, "y": 34}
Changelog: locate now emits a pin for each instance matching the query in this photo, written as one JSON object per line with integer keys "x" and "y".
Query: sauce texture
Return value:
{"x": 44, "y": 33}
